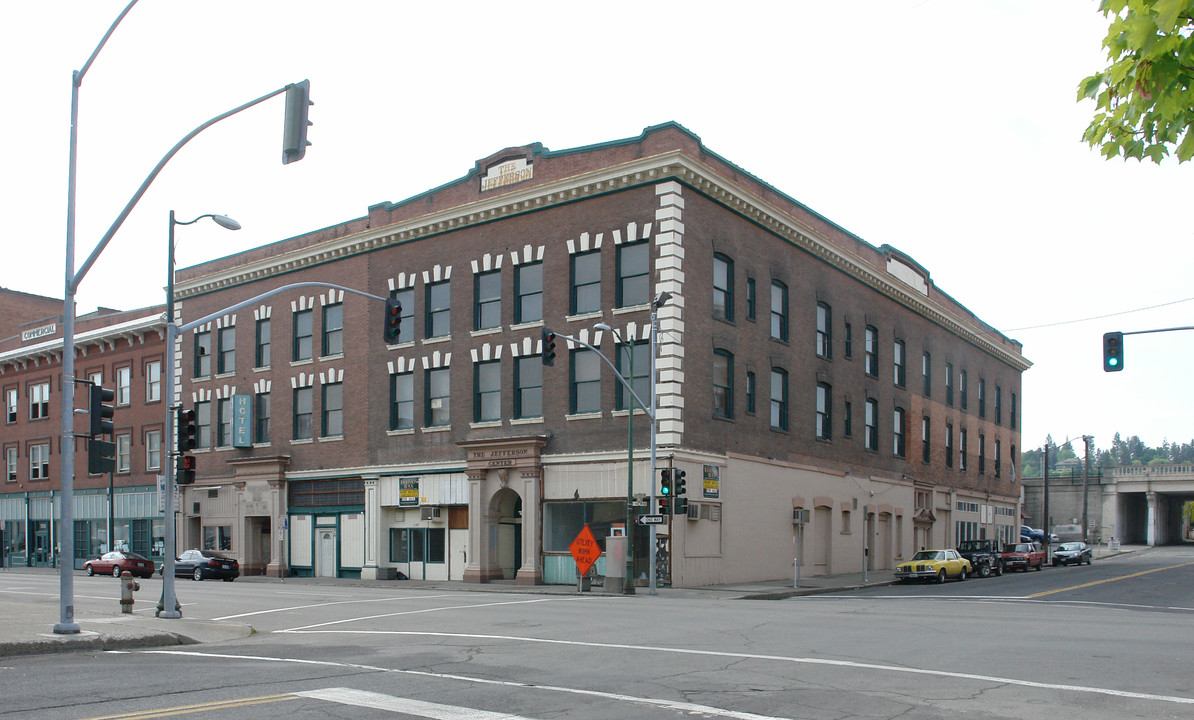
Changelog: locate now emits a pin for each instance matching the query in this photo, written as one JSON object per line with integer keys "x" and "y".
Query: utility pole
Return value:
{"x": 1085, "y": 484}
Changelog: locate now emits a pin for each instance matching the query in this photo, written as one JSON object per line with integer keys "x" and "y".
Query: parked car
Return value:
{"x": 984, "y": 556}
{"x": 1072, "y": 553}
{"x": 204, "y": 564}
{"x": 1068, "y": 533}
{"x": 115, "y": 562}
{"x": 1023, "y": 556}
{"x": 933, "y": 565}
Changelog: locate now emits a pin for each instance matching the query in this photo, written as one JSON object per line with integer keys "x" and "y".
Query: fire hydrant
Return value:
{"x": 127, "y": 586}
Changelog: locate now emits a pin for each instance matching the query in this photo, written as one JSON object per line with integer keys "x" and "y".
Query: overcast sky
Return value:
{"x": 947, "y": 130}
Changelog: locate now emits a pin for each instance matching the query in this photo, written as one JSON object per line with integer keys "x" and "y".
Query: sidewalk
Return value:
{"x": 27, "y": 628}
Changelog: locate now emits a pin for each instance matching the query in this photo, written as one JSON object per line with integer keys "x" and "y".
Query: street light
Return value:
{"x": 168, "y": 606}
{"x": 628, "y": 581}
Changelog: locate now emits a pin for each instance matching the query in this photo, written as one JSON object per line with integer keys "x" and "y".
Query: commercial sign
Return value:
{"x": 711, "y": 481}
{"x": 39, "y": 332}
{"x": 242, "y": 421}
{"x": 408, "y": 491}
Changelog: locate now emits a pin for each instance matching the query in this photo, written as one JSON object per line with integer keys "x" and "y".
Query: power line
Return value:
{"x": 1100, "y": 317}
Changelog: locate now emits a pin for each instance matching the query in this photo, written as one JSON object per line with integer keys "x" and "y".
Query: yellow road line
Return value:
{"x": 1100, "y": 582}
{"x": 201, "y": 707}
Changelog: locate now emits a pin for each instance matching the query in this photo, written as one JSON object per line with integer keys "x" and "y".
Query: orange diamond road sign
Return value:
{"x": 585, "y": 550}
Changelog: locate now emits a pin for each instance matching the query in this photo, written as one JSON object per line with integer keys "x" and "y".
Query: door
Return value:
{"x": 325, "y": 552}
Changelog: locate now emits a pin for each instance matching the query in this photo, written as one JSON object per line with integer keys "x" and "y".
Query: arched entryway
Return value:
{"x": 505, "y": 514}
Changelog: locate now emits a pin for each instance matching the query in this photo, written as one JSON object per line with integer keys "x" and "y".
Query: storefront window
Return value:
{"x": 563, "y": 521}
{"x": 217, "y": 537}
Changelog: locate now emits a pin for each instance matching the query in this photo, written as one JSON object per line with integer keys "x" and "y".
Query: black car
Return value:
{"x": 204, "y": 564}
{"x": 1072, "y": 553}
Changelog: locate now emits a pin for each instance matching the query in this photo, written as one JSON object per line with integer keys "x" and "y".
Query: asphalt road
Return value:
{"x": 1109, "y": 641}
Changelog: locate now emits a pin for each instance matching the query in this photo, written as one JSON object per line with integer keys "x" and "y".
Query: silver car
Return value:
{"x": 1072, "y": 553}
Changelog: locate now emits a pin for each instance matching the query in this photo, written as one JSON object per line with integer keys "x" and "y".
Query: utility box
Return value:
{"x": 615, "y": 563}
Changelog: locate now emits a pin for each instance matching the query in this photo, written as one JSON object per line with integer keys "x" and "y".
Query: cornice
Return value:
{"x": 104, "y": 338}
{"x": 672, "y": 165}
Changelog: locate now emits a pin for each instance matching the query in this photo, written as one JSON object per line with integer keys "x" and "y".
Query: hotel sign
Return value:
{"x": 39, "y": 332}
{"x": 510, "y": 172}
{"x": 242, "y": 421}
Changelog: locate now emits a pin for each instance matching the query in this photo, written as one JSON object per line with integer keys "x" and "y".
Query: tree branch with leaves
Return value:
{"x": 1144, "y": 100}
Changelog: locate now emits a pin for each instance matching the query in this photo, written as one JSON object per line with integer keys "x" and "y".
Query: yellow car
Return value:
{"x": 933, "y": 565}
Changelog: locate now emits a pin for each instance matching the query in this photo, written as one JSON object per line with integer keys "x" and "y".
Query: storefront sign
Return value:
{"x": 711, "y": 482}
{"x": 39, "y": 332}
{"x": 510, "y": 172}
{"x": 242, "y": 421}
{"x": 408, "y": 491}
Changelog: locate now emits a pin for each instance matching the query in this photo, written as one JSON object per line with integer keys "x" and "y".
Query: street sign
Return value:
{"x": 649, "y": 520}
{"x": 585, "y": 550}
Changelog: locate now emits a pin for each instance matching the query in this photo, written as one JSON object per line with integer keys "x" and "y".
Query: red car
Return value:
{"x": 1023, "y": 556}
{"x": 116, "y": 562}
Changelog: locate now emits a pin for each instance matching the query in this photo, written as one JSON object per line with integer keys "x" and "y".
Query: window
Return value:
{"x": 153, "y": 450}
{"x": 586, "y": 381}
{"x": 10, "y": 462}
{"x": 925, "y": 447}
{"x": 224, "y": 422}
{"x": 263, "y": 343}
{"x": 528, "y": 387}
{"x": 897, "y": 432}
{"x": 10, "y": 405}
{"x": 304, "y": 399}
{"x": 203, "y": 424}
{"x": 750, "y": 298}
{"x": 962, "y": 386}
{"x": 1011, "y": 461}
{"x": 926, "y": 368}
{"x": 39, "y": 461}
{"x": 982, "y": 398}
{"x": 779, "y": 311}
{"x": 406, "y": 316}
{"x": 949, "y": 384}
{"x": 723, "y": 288}
{"x": 998, "y": 456}
{"x": 303, "y": 332}
{"x": 848, "y": 346}
{"x": 982, "y": 453}
{"x": 333, "y": 329}
{"x": 124, "y": 446}
{"x": 634, "y": 274}
{"x": 153, "y": 381}
{"x": 824, "y": 416}
{"x": 227, "y": 355}
{"x": 750, "y": 392}
{"x": 439, "y": 310}
{"x": 438, "y": 395}
{"x": 897, "y": 363}
{"x": 217, "y": 537}
{"x": 871, "y": 351}
{"x": 202, "y": 354}
{"x": 634, "y": 364}
{"x": 487, "y": 300}
{"x": 848, "y": 419}
{"x": 1011, "y": 413}
{"x": 332, "y": 405}
{"x": 998, "y": 405}
{"x": 963, "y": 438}
{"x": 949, "y": 445}
{"x": 39, "y": 401}
{"x": 402, "y": 401}
{"x": 124, "y": 385}
{"x": 487, "y": 391}
{"x": 779, "y": 399}
{"x": 871, "y": 434}
{"x": 261, "y": 417}
{"x": 723, "y": 384}
{"x": 824, "y": 336}
{"x": 528, "y": 293}
{"x": 586, "y": 283}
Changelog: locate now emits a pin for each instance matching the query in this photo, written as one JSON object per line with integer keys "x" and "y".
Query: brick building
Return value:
{"x": 799, "y": 368}
{"x": 123, "y": 351}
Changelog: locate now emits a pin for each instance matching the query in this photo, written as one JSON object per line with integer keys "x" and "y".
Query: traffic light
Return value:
{"x": 185, "y": 470}
{"x": 1113, "y": 352}
{"x": 101, "y": 456}
{"x": 393, "y": 326}
{"x": 101, "y": 414}
{"x": 680, "y": 504}
{"x": 294, "y": 132}
{"x": 665, "y": 491}
{"x": 186, "y": 429}
{"x": 549, "y": 347}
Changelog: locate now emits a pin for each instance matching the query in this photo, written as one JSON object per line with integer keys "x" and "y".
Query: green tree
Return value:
{"x": 1144, "y": 102}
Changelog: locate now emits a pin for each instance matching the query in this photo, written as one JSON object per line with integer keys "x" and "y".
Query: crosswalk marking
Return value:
{"x": 378, "y": 701}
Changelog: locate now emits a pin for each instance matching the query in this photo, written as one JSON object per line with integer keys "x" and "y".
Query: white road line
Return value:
{"x": 326, "y": 604}
{"x": 413, "y": 612}
{"x": 779, "y": 658}
{"x": 678, "y": 706}
{"x": 378, "y": 701}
